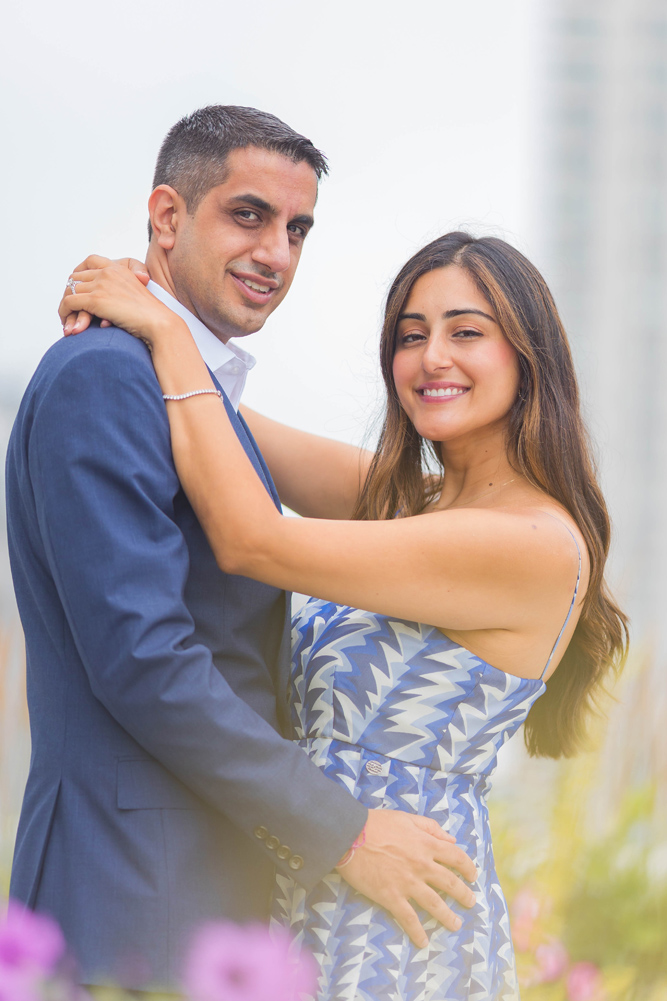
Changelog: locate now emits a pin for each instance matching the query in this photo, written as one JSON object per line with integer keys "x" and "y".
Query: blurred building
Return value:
{"x": 604, "y": 185}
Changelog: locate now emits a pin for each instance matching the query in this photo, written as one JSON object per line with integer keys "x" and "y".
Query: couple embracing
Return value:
{"x": 190, "y": 761}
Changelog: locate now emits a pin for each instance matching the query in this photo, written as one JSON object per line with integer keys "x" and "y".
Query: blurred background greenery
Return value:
{"x": 581, "y": 850}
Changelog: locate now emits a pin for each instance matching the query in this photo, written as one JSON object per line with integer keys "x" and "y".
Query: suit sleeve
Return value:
{"x": 104, "y": 480}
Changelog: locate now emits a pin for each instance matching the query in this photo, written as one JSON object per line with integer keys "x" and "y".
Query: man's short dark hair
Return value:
{"x": 194, "y": 154}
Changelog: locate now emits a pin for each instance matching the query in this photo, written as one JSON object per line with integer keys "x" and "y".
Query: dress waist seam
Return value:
{"x": 374, "y": 753}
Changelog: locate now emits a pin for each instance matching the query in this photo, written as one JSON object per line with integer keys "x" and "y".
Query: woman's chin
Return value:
{"x": 437, "y": 432}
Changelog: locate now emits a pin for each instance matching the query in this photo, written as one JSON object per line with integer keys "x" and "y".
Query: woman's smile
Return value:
{"x": 441, "y": 392}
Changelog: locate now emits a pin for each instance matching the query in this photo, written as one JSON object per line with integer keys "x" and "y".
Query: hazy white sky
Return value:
{"x": 425, "y": 111}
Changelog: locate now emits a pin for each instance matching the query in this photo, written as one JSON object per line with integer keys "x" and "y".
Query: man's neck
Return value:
{"x": 156, "y": 265}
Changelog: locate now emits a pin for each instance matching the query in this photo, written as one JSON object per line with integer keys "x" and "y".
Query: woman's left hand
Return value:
{"x": 77, "y": 321}
{"x": 114, "y": 294}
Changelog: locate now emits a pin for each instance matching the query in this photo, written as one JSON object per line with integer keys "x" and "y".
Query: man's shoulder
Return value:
{"x": 108, "y": 354}
{"x": 101, "y": 371}
{"x": 98, "y": 345}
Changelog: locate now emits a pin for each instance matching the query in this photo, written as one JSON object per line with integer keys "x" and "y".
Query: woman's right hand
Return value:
{"x": 75, "y": 322}
{"x": 112, "y": 292}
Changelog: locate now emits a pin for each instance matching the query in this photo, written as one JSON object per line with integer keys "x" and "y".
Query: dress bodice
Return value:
{"x": 401, "y": 689}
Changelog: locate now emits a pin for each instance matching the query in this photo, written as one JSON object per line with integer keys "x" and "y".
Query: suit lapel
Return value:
{"x": 249, "y": 444}
{"x": 260, "y": 459}
{"x": 284, "y": 658}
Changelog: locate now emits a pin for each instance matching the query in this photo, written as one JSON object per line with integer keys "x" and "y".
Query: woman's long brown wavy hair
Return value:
{"x": 546, "y": 442}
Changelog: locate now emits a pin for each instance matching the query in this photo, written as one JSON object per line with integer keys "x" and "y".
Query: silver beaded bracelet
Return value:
{"x": 195, "y": 392}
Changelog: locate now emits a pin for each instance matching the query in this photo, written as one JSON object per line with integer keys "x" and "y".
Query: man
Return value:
{"x": 161, "y": 792}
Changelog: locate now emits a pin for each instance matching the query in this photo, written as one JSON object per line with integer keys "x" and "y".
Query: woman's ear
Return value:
{"x": 164, "y": 206}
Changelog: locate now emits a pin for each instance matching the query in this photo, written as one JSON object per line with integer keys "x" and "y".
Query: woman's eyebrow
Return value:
{"x": 451, "y": 313}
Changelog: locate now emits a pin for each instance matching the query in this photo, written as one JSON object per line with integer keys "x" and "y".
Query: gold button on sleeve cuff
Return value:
{"x": 284, "y": 852}
{"x": 272, "y": 842}
{"x": 296, "y": 862}
{"x": 262, "y": 833}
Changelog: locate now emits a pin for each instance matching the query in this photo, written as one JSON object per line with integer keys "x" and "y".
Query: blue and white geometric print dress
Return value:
{"x": 405, "y": 719}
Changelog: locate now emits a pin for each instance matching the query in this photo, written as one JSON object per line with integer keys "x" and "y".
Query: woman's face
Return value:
{"x": 455, "y": 371}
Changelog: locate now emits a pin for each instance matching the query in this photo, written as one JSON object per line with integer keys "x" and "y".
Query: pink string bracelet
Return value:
{"x": 349, "y": 854}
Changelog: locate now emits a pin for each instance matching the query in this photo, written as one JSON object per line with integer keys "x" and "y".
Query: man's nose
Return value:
{"x": 273, "y": 249}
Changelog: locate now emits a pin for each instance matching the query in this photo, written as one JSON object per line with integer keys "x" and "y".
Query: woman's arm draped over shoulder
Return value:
{"x": 315, "y": 476}
{"x": 465, "y": 569}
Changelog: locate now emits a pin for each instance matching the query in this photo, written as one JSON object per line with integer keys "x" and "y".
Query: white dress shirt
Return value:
{"x": 229, "y": 363}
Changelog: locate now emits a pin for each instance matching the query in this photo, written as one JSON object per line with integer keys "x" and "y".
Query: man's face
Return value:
{"x": 233, "y": 261}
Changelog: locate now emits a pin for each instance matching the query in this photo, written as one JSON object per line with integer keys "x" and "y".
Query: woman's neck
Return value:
{"x": 475, "y": 470}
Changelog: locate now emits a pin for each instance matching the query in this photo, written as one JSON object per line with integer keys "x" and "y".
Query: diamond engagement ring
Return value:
{"x": 71, "y": 285}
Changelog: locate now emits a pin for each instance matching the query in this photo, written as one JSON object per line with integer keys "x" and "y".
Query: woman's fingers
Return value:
{"x": 138, "y": 269}
{"x": 113, "y": 293}
{"x": 74, "y": 320}
{"x": 93, "y": 262}
{"x": 76, "y": 323}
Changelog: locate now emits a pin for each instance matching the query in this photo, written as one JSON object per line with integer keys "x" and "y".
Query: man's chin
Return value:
{"x": 239, "y": 326}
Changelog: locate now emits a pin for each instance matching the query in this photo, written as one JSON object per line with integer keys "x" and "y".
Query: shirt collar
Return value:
{"x": 229, "y": 363}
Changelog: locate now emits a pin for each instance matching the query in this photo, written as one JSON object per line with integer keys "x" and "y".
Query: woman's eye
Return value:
{"x": 412, "y": 337}
{"x": 467, "y": 333}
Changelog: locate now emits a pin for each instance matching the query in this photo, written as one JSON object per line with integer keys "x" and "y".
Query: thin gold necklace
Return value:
{"x": 486, "y": 494}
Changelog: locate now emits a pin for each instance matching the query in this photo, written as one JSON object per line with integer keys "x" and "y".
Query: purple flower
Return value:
{"x": 552, "y": 961}
{"x": 228, "y": 963}
{"x": 29, "y": 943}
{"x": 584, "y": 983}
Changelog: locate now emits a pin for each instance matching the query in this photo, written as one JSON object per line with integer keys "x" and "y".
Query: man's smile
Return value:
{"x": 255, "y": 287}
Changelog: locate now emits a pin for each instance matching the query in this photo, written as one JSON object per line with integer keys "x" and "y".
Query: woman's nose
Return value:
{"x": 437, "y": 354}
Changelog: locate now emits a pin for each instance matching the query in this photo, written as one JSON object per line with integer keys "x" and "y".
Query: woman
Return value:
{"x": 458, "y": 576}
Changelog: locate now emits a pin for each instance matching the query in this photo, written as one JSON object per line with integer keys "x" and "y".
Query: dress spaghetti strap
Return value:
{"x": 574, "y": 596}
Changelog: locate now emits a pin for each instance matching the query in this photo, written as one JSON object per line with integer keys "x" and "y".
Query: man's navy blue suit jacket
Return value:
{"x": 152, "y": 680}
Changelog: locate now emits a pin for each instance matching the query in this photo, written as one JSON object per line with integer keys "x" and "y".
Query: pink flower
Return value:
{"x": 552, "y": 961}
{"x": 228, "y": 963}
{"x": 525, "y": 911}
{"x": 584, "y": 983}
{"x": 17, "y": 985}
{"x": 29, "y": 943}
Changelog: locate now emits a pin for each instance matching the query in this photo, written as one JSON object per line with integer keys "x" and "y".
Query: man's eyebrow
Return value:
{"x": 255, "y": 200}
{"x": 259, "y": 203}
{"x": 303, "y": 220}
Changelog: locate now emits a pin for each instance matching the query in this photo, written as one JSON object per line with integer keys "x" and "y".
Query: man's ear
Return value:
{"x": 165, "y": 205}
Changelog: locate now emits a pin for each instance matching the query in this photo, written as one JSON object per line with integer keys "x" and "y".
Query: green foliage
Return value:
{"x": 616, "y": 911}
{"x": 587, "y": 877}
